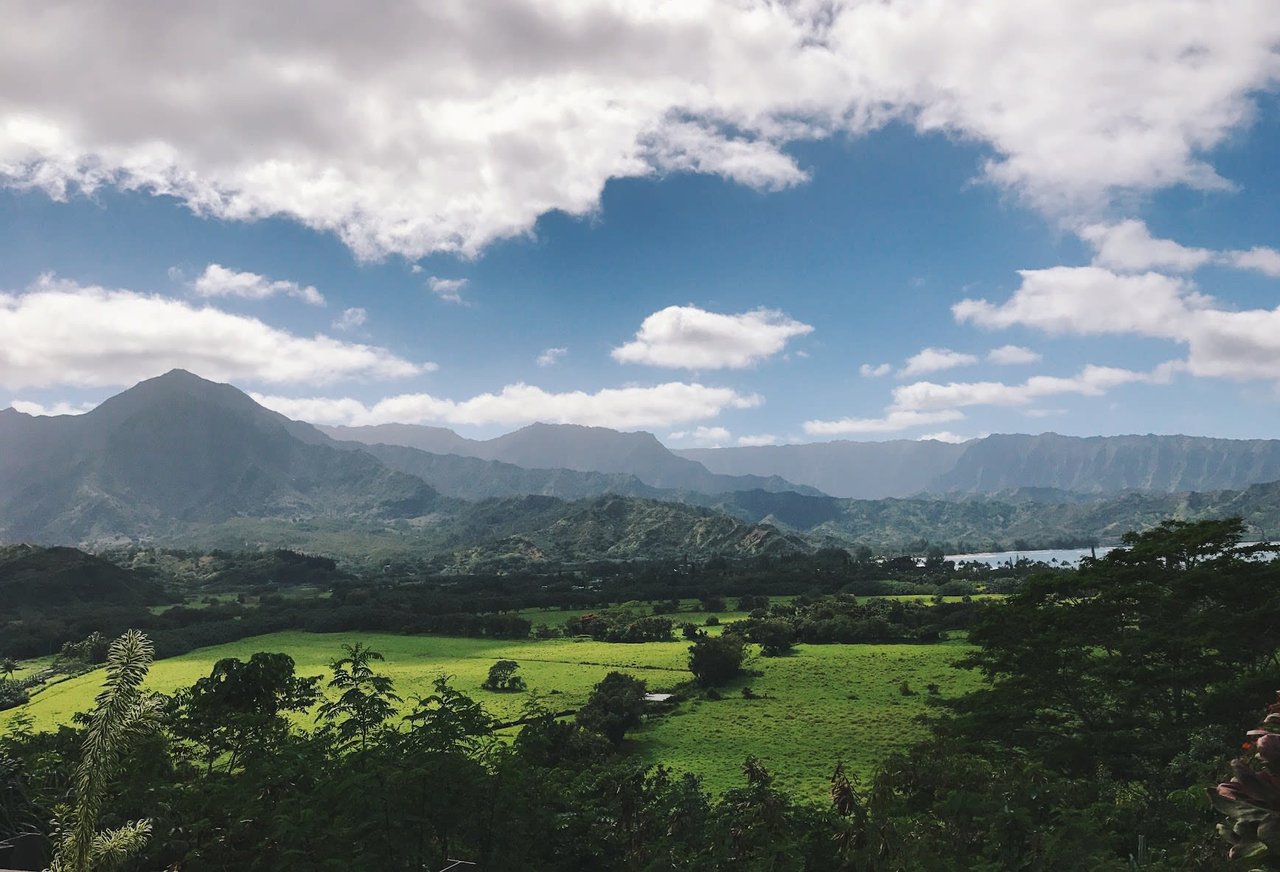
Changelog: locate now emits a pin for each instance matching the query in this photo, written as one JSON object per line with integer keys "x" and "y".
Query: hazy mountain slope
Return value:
{"x": 864, "y": 470}
{"x": 437, "y": 440}
{"x": 179, "y": 449}
{"x": 1040, "y": 518}
{"x": 1090, "y": 465}
{"x": 471, "y": 478}
{"x": 1107, "y": 464}
{"x": 572, "y": 447}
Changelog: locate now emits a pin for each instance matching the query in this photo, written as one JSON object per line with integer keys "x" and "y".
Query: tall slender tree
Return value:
{"x": 122, "y": 714}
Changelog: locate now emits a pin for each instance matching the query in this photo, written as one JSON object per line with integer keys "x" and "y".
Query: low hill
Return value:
{"x": 32, "y": 577}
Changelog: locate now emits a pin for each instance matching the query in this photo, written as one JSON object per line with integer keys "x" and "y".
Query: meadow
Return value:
{"x": 821, "y": 705}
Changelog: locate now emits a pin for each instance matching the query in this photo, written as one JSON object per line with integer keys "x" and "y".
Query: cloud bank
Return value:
{"x": 60, "y": 333}
{"x": 417, "y": 128}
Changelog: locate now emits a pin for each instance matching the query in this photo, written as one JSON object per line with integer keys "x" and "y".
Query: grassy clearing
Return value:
{"x": 821, "y": 705}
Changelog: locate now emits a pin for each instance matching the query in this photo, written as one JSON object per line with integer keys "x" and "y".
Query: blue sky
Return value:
{"x": 908, "y": 246}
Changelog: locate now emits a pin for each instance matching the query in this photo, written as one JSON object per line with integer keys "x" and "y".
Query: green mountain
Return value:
{"x": 1041, "y": 517}
{"x": 613, "y": 527}
{"x": 178, "y": 450}
{"x": 178, "y": 460}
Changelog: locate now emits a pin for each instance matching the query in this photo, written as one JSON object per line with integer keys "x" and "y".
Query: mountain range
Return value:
{"x": 1087, "y": 465}
{"x": 178, "y": 459}
{"x": 574, "y": 448}
{"x": 181, "y": 460}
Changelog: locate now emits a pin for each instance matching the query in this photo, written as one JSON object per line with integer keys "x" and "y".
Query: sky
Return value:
{"x": 726, "y": 222}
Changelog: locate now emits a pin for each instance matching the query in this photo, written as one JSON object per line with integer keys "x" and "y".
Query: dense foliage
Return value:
{"x": 1113, "y": 696}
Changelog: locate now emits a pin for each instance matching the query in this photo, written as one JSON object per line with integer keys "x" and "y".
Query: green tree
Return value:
{"x": 122, "y": 713}
{"x": 616, "y": 705}
{"x": 366, "y": 700}
{"x": 713, "y": 660}
{"x": 8, "y": 666}
{"x": 238, "y": 709}
{"x": 503, "y": 678}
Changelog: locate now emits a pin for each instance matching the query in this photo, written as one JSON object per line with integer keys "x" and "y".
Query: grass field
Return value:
{"x": 822, "y": 705}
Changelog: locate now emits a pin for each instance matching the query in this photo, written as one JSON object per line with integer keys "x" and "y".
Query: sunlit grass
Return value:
{"x": 821, "y": 705}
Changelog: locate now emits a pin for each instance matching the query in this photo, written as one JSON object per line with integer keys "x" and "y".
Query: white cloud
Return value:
{"x": 934, "y": 360}
{"x": 350, "y": 319}
{"x": 1263, "y": 260}
{"x": 449, "y": 290}
{"x": 1012, "y": 355}
{"x": 1090, "y": 381}
{"x": 1091, "y": 300}
{"x": 705, "y": 437}
{"x": 944, "y": 436}
{"x": 551, "y": 356}
{"x": 61, "y": 408}
{"x": 219, "y": 281}
{"x": 61, "y": 333}
{"x": 1129, "y": 247}
{"x": 758, "y": 440}
{"x": 1043, "y": 413}
{"x": 620, "y": 408}
{"x": 868, "y": 370}
{"x": 690, "y": 338}
{"x": 892, "y": 421}
{"x": 448, "y": 125}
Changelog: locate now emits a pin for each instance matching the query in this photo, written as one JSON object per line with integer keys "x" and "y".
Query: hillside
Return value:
{"x": 1088, "y": 465}
{"x": 998, "y": 522}
{"x": 41, "y": 578}
{"x": 471, "y": 478}
{"x": 178, "y": 450}
{"x": 576, "y": 448}
{"x": 178, "y": 460}
{"x": 618, "y": 528}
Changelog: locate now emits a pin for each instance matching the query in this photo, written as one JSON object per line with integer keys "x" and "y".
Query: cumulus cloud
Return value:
{"x": 1012, "y": 355}
{"x": 758, "y": 440}
{"x": 620, "y": 408}
{"x": 219, "y": 281}
{"x": 61, "y": 333}
{"x": 1129, "y": 247}
{"x": 934, "y": 360}
{"x": 1091, "y": 300}
{"x": 892, "y": 421}
{"x": 551, "y": 356}
{"x": 868, "y": 370}
{"x": 60, "y": 408}
{"x": 424, "y": 128}
{"x": 350, "y": 319}
{"x": 449, "y": 290}
{"x": 687, "y": 337}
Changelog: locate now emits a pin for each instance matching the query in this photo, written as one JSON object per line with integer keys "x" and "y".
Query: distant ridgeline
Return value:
{"x": 181, "y": 461}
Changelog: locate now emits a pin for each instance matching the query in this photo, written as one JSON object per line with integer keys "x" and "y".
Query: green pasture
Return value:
{"x": 821, "y": 705}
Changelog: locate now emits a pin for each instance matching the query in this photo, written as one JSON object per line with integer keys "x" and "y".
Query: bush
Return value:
{"x": 713, "y": 621}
